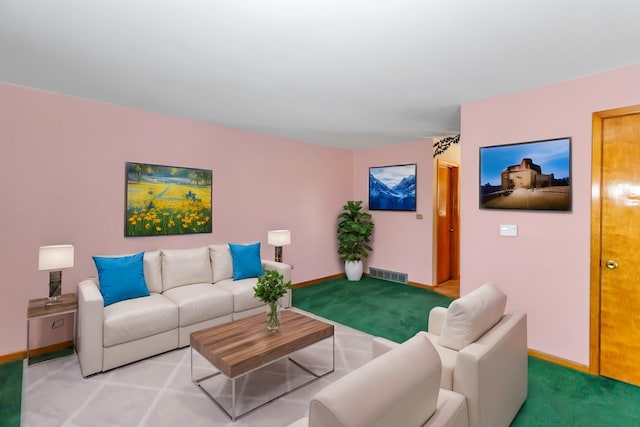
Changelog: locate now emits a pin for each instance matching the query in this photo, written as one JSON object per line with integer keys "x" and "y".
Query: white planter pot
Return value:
{"x": 353, "y": 270}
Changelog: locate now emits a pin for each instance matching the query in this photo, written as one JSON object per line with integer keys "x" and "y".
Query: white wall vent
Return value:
{"x": 391, "y": 276}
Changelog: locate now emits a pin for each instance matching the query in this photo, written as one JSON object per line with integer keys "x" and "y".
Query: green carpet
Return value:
{"x": 11, "y": 393}
{"x": 386, "y": 309}
{"x": 563, "y": 397}
{"x": 557, "y": 396}
{"x": 52, "y": 355}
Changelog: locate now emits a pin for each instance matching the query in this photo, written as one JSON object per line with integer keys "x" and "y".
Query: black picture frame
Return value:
{"x": 392, "y": 188}
{"x": 532, "y": 175}
{"x": 164, "y": 200}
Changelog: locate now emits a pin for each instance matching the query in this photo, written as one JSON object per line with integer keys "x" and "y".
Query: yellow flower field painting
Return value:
{"x": 163, "y": 200}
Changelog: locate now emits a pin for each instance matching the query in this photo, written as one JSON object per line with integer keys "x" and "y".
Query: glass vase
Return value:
{"x": 273, "y": 316}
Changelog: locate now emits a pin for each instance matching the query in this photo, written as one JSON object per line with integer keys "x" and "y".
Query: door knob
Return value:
{"x": 611, "y": 264}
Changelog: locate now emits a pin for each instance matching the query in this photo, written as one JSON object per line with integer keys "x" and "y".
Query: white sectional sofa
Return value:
{"x": 188, "y": 290}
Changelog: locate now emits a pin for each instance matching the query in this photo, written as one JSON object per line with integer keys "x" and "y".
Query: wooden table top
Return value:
{"x": 240, "y": 346}
{"x": 64, "y": 304}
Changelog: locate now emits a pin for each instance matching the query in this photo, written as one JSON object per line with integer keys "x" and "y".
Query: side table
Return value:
{"x": 41, "y": 308}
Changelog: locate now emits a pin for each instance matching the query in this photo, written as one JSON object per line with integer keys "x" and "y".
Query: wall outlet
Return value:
{"x": 509, "y": 230}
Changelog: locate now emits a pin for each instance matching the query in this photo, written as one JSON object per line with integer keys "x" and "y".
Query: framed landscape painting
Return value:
{"x": 163, "y": 200}
{"x": 392, "y": 188}
{"x": 533, "y": 175}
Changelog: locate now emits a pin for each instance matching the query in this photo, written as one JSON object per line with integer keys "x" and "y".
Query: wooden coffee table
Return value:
{"x": 243, "y": 346}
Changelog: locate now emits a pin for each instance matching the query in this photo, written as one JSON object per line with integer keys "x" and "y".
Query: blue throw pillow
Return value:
{"x": 121, "y": 277}
{"x": 246, "y": 261}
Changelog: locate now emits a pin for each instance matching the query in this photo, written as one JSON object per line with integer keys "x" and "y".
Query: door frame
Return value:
{"x": 454, "y": 196}
{"x": 596, "y": 238}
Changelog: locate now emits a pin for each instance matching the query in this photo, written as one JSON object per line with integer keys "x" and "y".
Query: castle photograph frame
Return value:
{"x": 532, "y": 175}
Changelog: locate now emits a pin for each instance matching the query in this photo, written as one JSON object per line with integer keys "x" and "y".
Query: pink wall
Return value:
{"x": 401, "y": 242}
{"x": 545, "y": 270}
{"x": 63, "y": 182}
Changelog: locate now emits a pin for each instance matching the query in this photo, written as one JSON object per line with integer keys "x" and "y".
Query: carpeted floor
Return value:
{"x": 563, "y": 397}
{"x": 158, "y": 392}
{"x": 386, "y": 309}
{"x": 10, "y": 393}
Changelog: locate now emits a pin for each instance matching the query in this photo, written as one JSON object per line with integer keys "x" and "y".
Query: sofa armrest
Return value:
{"x": 285, "y": 270}
{"x": 90, "y": 327}
{"x": 380, "y": 345}
{"x": 492, "y": 372}
{"x": 436, "y": 320}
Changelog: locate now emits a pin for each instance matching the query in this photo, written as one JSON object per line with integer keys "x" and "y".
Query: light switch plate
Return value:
{"x": 509, "y": 230}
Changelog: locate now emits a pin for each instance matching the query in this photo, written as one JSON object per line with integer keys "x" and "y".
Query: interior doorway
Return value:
{"x": 447, "y": 250}
{"x": 615, "y": 248}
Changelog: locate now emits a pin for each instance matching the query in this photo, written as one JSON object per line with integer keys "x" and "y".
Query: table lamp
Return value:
{"x": 279, "y": 238}
{"x": 55, "y": 257}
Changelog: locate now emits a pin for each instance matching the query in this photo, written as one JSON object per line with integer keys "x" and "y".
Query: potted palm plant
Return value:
{"x": 270, "y": 289}
{"x": 354, "y": 234}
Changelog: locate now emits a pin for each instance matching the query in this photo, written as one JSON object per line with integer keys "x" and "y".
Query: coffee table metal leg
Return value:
{"x": 232, "y": 413}
{"x": 233, "y": 399}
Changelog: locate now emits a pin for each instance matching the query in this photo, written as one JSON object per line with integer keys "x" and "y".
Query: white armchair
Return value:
{"x": 399, "y": 388}
{"x": 483, "y": 352}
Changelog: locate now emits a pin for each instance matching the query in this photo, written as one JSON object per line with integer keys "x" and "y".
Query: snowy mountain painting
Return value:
{"x": 392, "y": 188}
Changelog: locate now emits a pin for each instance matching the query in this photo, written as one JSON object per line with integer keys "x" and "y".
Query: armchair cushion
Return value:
{"x": 400, "y": 387}
{"x": 471, "y": 316}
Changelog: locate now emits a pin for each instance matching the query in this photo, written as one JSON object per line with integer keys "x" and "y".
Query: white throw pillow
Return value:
{"x": 471, "y": 316}
{"x": 153, "y": 271}
{"x": 221, "y": 262}
{"x": 185, "y": 267}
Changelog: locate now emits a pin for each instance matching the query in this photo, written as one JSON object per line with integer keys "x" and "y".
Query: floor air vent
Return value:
{"x": 392, "y": 276}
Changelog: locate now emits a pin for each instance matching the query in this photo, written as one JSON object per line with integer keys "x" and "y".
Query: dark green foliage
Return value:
{"x": 443, "y": 144}
{"x": 354, "y": 232}
{"x": 271, "y": 286}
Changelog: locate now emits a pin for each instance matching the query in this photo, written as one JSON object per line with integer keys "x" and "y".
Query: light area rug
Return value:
{"x": 158, "y": 391}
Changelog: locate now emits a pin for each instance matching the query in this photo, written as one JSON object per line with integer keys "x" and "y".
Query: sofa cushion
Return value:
{"x": 246, "y": 261}
{"x": 185, "y": 267}
{"x": 121, "y": 278}
{"x": 138, "y": 318}
{"x": 243, "y": 293}
{"x": 471, "y": 316}
{"x": 199, "y": 302}
{"x": 153, "y": 271}
{"x": 398, "y": 388}
{"x": 448, "y": 359}
{"x": 221, "y": 262}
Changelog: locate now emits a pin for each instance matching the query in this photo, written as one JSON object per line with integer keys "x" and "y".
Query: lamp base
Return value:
{"x": 53, "y": 301}
{"x": 55, "y": 285}
{"x": 278, "y": 257}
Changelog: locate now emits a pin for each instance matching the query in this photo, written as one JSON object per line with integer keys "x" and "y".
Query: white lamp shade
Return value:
{"x": 55, "y": 257}
{"x": 279, "y": 237}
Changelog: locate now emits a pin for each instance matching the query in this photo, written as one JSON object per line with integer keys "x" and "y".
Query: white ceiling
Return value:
{"x": 344, "y": 73}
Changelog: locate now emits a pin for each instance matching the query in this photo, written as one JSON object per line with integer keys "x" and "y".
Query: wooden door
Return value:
{"x": 619, "y": 258}
{"x": 448, "y": 250}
